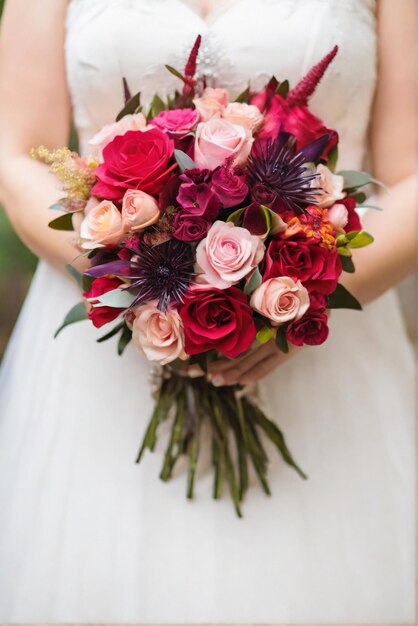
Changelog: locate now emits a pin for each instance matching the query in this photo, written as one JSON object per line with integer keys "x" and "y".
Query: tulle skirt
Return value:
{"x": 86, "y": 535}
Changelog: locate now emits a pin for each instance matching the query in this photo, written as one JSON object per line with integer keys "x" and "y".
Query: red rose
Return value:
{"x": 101, "y": 315}
{"x": 190, "y": 227}
{"x": 217, "y": 319}
{"x": 135, "y": 160}
{"x": 312, "y": 329}
{"x": 354, "y": 222}
{"x": 298, "y": 121}
{"x": 302, "y": 259}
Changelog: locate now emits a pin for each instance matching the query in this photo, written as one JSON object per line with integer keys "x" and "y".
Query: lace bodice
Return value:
{"x": 243, "y": 40}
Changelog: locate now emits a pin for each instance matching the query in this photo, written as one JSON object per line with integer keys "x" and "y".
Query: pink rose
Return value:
{"x": 211, "y": 103}
{"x": 158, "y": 335}
{"x": 139, "y": 210}
{"x": 247, "y": 115}
{"x": 110, "y": 131}
{"x": 331, "y": 185}
{"x": 227, "y": 254}
{"x": 280, "y": 300}
{"x": 102, "y": 225}
{"x": 219, "y": 140}
{"x": 338, "y": 216}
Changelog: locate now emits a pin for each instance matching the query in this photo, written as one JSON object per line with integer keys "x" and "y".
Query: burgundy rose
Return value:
{"x": 297, "y": 120}
{"x": 190, "y": 227}
{"x": 217, "y": 319}
{"x": 229, "y": 186}
{"x": 101, "y": 315}
{"x": 303, "y": 259}
{"x": 354, "y": 222}
{"x": 196, "y": 196}
{"x": 136, "y": 160}
{"x": 312, "y": 329}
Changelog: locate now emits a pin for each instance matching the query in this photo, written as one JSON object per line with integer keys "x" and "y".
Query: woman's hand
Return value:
{"x": 248, "y": 369}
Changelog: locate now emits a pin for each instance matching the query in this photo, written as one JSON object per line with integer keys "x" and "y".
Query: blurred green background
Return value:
{"x": 17, "y": 265}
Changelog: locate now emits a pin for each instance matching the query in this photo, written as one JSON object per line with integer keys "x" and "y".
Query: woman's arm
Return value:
{"x": 393, "y": 139}
{"x": 392, "y": 255}
{"x": 34, "y": 110}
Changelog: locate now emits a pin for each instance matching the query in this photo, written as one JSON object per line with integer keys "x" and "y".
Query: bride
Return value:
{"x": 85, "y": 534}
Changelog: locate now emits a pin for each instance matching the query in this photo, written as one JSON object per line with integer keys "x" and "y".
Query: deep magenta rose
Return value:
{"x": 101, "y": 315}
{"x": 302, "y": 259}
{"x": 229, "y": 186}
{"x": 216, "y": 319}
{"x": 196, "y": 196}
{"x": 297, "y": 120}
{"x": 312, "y": 329}
{"x": 190, "y": 227}
{"x": 135, "y": 160}
{"x": 177, "y": 121}
{"x": 354, "y": 222}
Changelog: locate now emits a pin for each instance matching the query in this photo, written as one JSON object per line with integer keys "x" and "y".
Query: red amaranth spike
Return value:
{"x": 190, "y": 69}
{"x": 299, "y": 95}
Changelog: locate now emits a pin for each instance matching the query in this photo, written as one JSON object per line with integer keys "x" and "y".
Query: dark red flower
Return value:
{"x": 190, "y": 227}
{"x": 101, "y": 315}
{"x": 311, "y": 329}
{"x": 354, "y": 222}
{"x": 196, "y": 196}
{"x": 217, "y": 319}
{"x": 135, "y": 160}
{"x": 229, "y": 186}
{"x": 301, "y": 258}
{"x": 297, "y": 120}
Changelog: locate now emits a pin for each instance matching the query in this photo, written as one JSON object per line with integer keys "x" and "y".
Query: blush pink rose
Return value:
{"x": 219, "y": 140}
{"x": 227, "y": 254}
{"x": 280, "y": 300}
{"x": 102, "y": 225}
{"x": 338, "y": 216}
{"x": 110, "y": 131}
{"x": 211, "y": 103}
{"x": 139, "y": 210}
{"x": 247, "y": 115}
{"x": 160, "y": 336}
{"x": 331, "y": 185}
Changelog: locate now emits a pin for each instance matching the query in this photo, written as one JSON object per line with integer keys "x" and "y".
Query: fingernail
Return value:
{"x": 194, "y": 372}
{"x": 217, "y": 380}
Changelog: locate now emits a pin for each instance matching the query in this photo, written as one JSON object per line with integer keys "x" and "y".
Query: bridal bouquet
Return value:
{"x": 212, "y": 226}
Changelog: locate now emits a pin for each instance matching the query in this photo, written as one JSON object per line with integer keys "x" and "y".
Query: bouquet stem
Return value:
{"x": 236, "y": 425}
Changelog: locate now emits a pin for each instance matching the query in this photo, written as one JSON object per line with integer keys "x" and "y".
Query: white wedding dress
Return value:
{"x": 86, "y": 535}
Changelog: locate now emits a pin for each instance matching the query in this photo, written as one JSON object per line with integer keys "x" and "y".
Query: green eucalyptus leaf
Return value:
{"x": 175, "y": 72}
{"x": 76, "y": 314}
{"x": 63, "y": 222}
{"x": 86, "y": 282}
{"x": 332, "y": 158}
{"x": 75, "y": 274}
{"x": 116, "y": 298}
{"x": 130, "y": 107}
{"x": 265, "y": 334}
{"x": 254, "y": 282}
{"x": 370, "y": 206}
{"x": 283, "y": 89}
{"x": 184, "y": 161}
{"x": 347, "y": 264}
{"x": 343, "y": 299}
{"x": 281, "y": 339}
{"x": 125, "y": 338}
{"x": 57, "y": 206}
{"x": 354, "y": 179}
{"x": 359, "y": 239}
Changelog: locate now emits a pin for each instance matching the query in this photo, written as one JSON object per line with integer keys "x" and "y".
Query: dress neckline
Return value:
{"x": 211, "y": 17}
